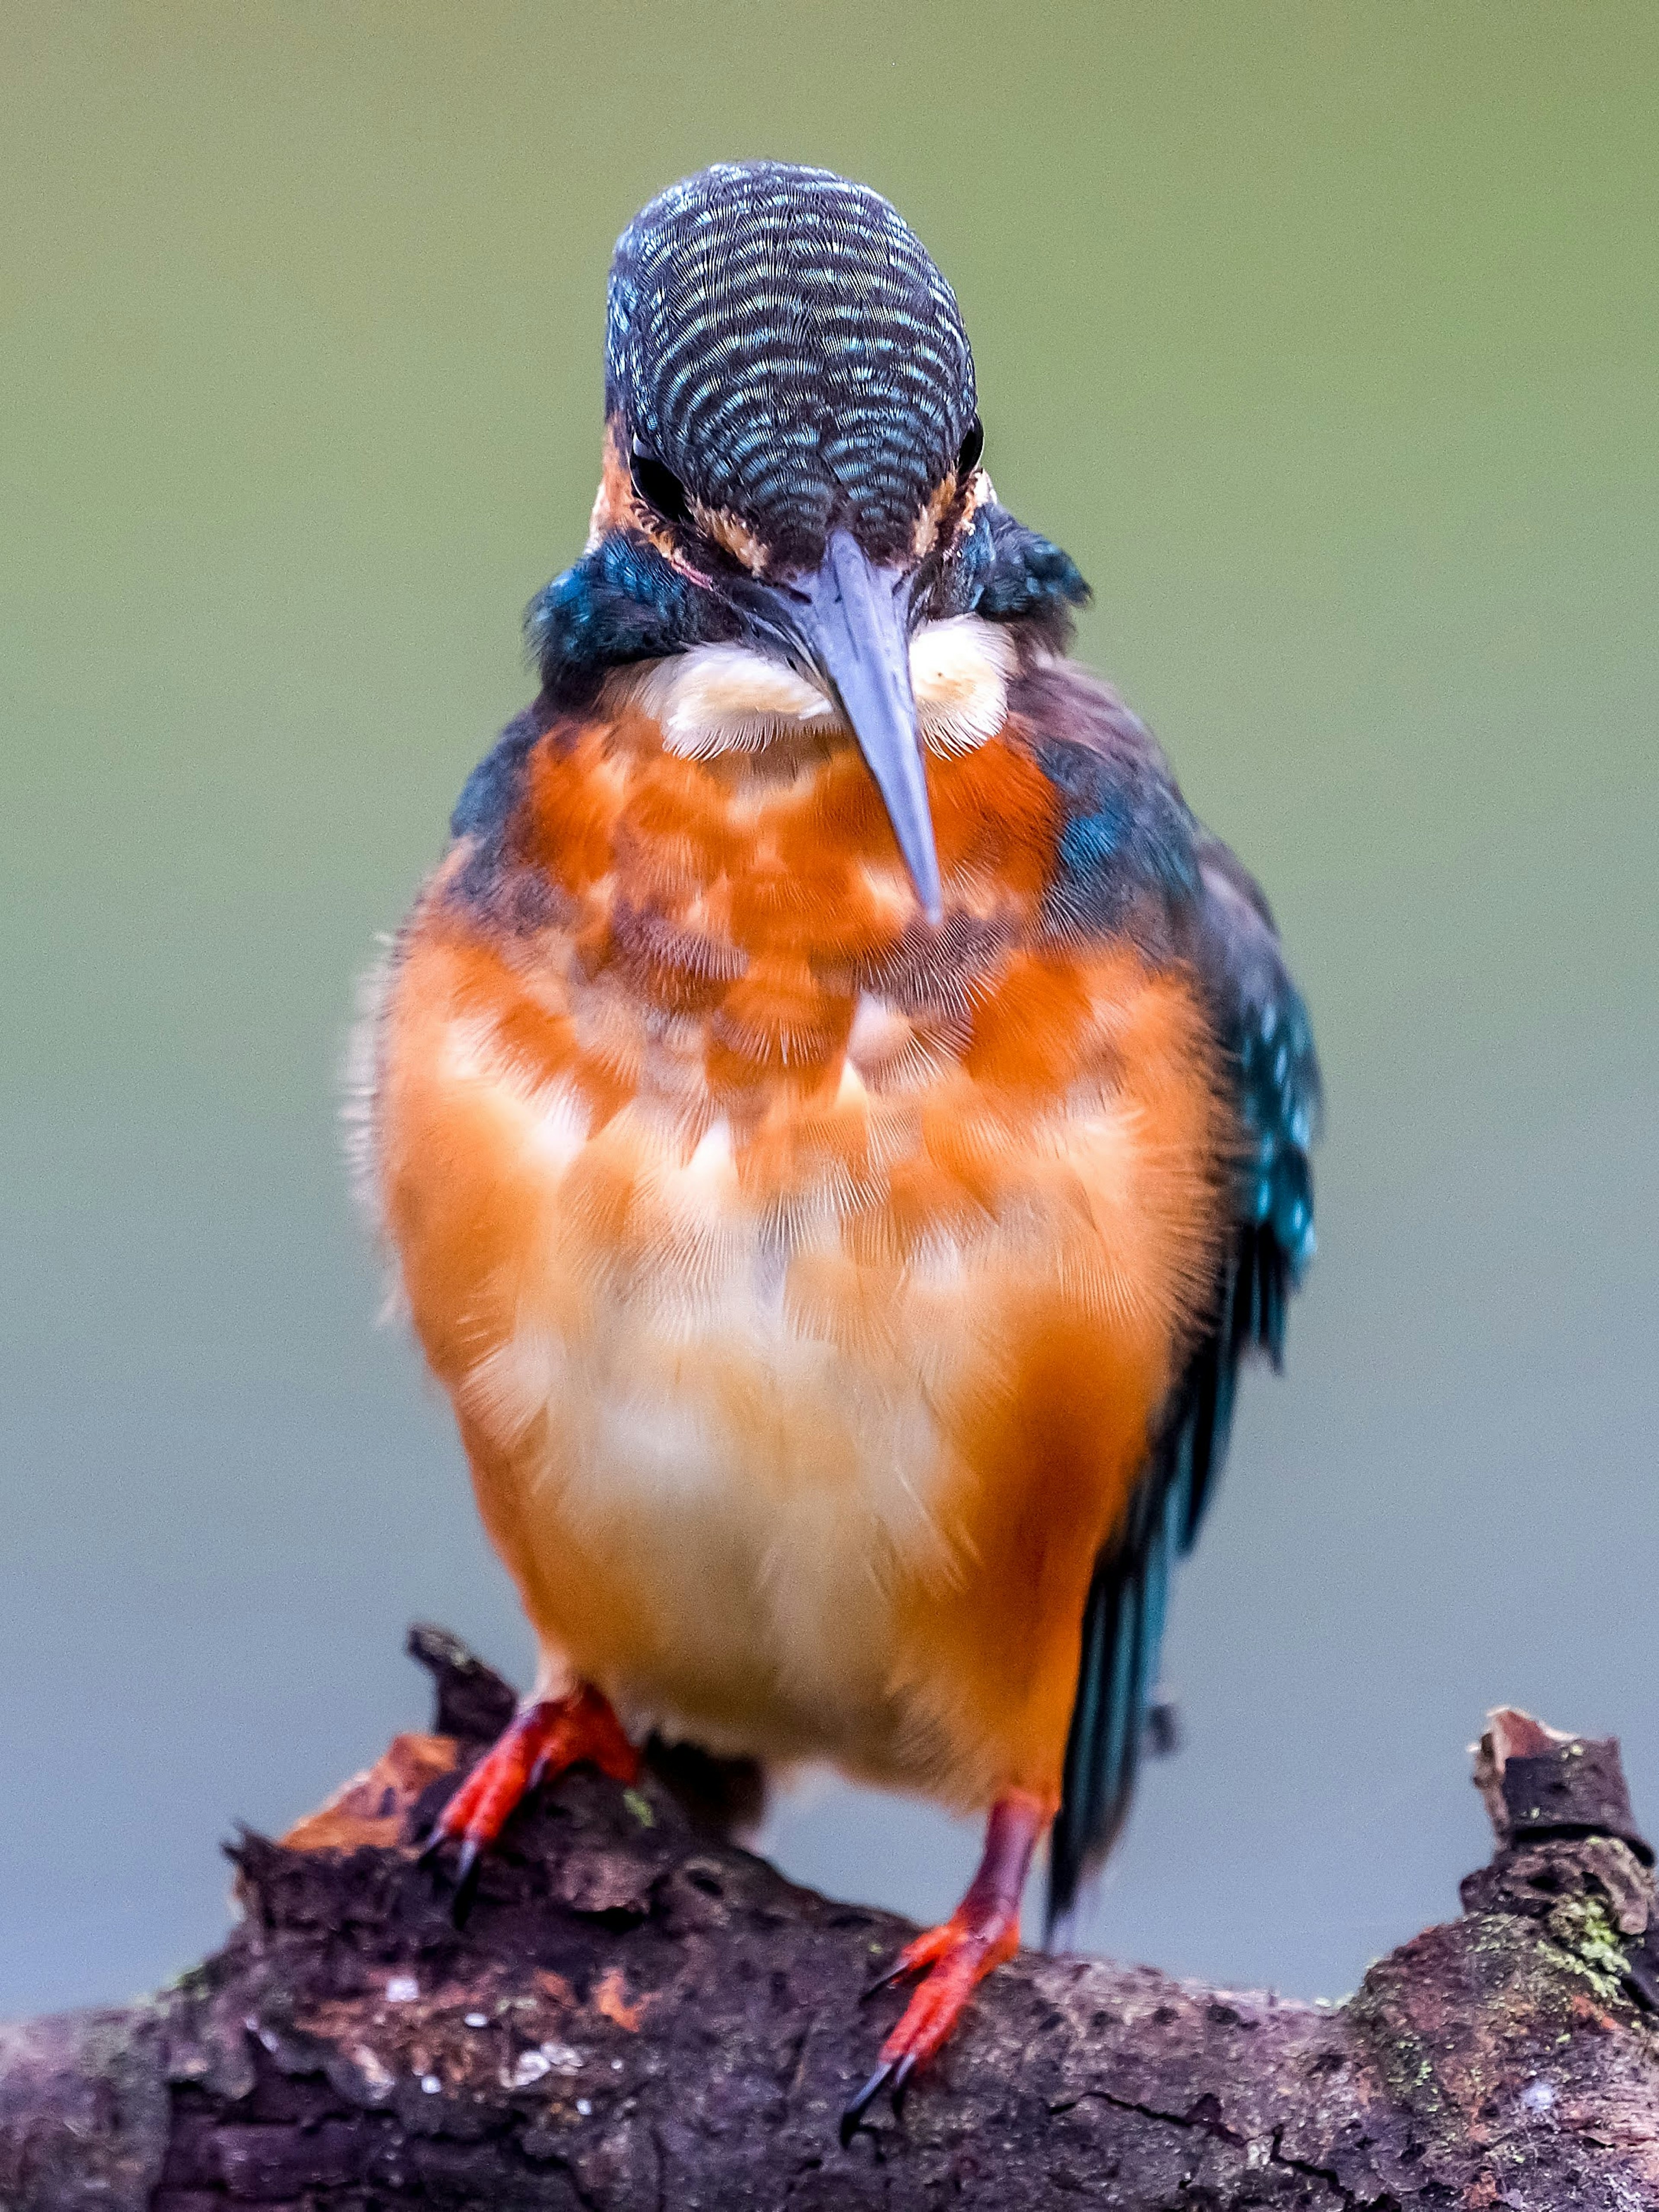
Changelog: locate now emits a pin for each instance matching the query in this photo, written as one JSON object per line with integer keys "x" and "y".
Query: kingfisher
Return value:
{"x": 840, "y": 1122}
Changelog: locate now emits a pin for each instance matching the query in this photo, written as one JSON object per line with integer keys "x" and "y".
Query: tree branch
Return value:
{"x": 640, "y": 2015}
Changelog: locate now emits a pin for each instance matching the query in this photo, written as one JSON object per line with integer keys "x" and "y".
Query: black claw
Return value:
{"x": 469, "y": 1872}
{"x": 893, "y": 1976}
{"x": 893, "y": 2076}
{"x": 853, "y": 2117}
{"x": 902, "y": 2073}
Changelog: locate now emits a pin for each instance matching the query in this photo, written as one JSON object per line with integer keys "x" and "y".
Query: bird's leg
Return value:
{"x": 955, "y": 1956}
{"x": 541, "y": 1741}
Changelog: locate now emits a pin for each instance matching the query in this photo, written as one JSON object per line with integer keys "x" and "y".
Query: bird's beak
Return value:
{"x": 851, "y": 618}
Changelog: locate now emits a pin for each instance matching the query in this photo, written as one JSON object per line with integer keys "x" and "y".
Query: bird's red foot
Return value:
{"x": 956, "y": 1956}
{"x": 539, "y": 1742}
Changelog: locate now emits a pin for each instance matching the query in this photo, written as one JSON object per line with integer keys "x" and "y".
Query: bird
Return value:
{"x": 840, "y": 1122}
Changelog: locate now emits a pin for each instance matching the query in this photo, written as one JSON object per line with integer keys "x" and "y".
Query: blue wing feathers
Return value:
{"x": 1263, "y": 1027}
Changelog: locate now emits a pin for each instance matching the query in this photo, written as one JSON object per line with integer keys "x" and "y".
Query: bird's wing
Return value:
{"x": 1263, "y": 1027}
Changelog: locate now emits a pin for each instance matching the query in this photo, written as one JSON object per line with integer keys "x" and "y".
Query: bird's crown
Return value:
{"x": 780, "y": 341}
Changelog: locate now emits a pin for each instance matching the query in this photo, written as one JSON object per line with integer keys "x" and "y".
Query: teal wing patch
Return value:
{"x": 1263, "y": 1025}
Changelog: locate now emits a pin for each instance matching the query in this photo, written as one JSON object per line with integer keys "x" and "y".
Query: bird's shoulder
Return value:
{"x": 1124, "y": 843}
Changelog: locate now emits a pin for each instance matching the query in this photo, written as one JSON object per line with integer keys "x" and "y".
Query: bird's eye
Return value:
{"x": 972, "y": 447}
{"x": 660, "y": 488}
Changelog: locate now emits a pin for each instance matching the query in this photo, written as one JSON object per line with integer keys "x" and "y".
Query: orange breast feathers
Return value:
{"x": 806, "y": 1280}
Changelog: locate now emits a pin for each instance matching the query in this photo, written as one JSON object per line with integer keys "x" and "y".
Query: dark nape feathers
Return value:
{"x": 622, "y": 602}
{"x": 1029, "y": 579}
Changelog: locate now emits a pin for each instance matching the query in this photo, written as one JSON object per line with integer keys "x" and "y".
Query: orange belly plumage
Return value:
{"x": 806, "y": 1281}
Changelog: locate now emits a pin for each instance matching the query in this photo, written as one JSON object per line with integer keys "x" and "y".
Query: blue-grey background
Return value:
{"x": 1323, "y": 335}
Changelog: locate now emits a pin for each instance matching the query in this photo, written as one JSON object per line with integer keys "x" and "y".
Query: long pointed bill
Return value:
{"x": 853, "y": 626}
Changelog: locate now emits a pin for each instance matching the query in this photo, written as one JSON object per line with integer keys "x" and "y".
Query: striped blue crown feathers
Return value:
{"x": 781, "y": 341}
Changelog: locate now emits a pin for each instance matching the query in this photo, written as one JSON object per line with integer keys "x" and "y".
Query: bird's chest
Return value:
{"x": 753, "y": 1225}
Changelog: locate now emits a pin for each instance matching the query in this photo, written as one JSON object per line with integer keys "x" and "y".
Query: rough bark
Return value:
{"x": 639, "y": 2016}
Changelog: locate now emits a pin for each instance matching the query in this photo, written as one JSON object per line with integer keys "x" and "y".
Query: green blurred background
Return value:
{"x": 1323, "y": 335}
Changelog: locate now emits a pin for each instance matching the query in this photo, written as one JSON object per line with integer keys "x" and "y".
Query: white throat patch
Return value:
{"x": 726, "y": 698}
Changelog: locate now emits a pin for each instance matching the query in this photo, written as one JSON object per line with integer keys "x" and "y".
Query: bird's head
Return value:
{"x": 793, "y": 457}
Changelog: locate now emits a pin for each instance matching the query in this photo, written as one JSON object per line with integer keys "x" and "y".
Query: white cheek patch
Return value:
{"x": 959, "y": 672}
{"x": 726, "y": 699}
